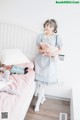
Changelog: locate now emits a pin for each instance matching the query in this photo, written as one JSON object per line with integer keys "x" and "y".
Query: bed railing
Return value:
{"x": 16, "y": 36}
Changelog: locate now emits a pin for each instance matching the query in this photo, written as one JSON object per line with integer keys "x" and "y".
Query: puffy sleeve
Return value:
{"x": 39, "y": 39}
{"x": 59, "y": 42}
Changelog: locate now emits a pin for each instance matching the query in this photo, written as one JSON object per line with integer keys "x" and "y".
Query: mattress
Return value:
{"x": 14, "y": 106}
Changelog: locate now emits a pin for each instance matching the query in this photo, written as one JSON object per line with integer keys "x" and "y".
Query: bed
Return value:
{"x": 13, "y": 36}
{"x": 16, "y": 105}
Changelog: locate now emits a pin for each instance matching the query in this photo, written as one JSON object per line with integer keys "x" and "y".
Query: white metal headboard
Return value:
{"x": 16, "y": 36}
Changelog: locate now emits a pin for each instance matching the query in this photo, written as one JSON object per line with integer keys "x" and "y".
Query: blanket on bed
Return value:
{"x": 6, "y": 79}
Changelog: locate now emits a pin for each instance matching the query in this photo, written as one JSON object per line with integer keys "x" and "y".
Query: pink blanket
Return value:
{"x": 21, "y": 84}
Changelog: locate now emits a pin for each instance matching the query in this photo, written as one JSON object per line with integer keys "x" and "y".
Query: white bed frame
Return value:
{"x": 28, "y": 101}
{"x": 18, "y": 36}
{"x": 13, "y": 35}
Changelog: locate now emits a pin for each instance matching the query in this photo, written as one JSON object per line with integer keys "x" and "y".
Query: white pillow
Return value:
{"x": 12, "y": 57}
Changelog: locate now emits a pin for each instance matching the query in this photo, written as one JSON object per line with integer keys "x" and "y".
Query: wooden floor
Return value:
{"x": 50, "y": 110}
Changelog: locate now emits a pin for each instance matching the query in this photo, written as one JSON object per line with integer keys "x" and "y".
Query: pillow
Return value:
{"x": 12, "y": 57}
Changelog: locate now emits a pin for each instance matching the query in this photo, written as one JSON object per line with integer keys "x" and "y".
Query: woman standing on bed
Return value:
{"x": 49, "y": 46}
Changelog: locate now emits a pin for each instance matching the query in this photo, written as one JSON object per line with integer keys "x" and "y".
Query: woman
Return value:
{"x": 45, "y": 59}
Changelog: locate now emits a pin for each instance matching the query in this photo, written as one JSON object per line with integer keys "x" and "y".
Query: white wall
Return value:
{"x": 34, "y": 13}
{"x": 75, "y": 102}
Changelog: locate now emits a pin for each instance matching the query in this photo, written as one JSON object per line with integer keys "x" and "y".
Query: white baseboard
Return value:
{"x": 60, "y": 98}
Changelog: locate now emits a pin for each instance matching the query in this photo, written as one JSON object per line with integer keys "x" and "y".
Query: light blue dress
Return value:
{"x": 45, "y": 66}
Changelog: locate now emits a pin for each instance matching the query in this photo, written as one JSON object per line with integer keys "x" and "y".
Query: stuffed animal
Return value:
{"x": 18, "y": 70}
{"x": 4, "y": 81}
{"x": 47, "y": 48}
